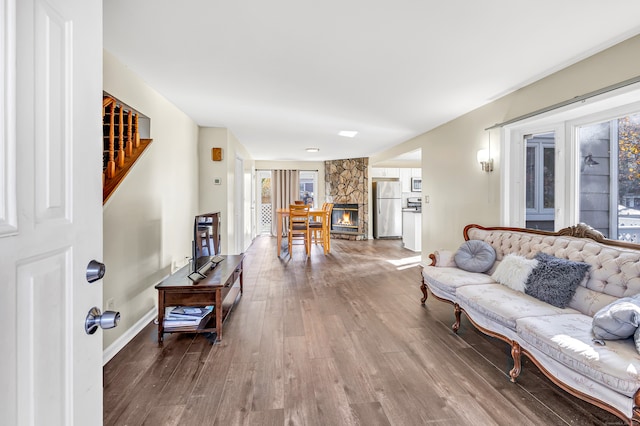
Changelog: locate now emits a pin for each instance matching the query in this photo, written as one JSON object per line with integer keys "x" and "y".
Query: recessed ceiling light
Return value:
{"x": 348, "y": 133}
{"x": 313, "y": 149}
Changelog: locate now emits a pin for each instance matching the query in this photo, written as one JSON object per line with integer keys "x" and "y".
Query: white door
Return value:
{"x": 50, "y": 210}
{"x": 239, "y": 205}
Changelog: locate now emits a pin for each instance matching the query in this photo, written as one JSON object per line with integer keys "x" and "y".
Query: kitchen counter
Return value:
{"x": 412, "y": 229}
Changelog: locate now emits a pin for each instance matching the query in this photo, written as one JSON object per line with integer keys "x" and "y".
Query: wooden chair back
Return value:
{"x": 299, "y": 225}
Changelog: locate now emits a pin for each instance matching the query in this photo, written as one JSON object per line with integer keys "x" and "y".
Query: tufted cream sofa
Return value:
{"x": 558, "y": 341}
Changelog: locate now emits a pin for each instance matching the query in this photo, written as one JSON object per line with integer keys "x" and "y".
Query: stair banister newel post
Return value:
{"x": 137, "y": 142}
{"x": 129, "y": 133}
{"x": 111, "y": 164}
{"x": 121, "y": 139}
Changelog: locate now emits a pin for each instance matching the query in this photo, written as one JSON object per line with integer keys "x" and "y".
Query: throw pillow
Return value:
{"x": 475, "y": 256}
{"x": 617, "y": 320}
{"x": 513, "y": 271}
{"x": 555, "y": 280}
{"x": 444, "y": 258}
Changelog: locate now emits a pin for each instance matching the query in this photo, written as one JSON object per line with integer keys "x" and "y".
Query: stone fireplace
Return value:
{"x": 346, "y": 185}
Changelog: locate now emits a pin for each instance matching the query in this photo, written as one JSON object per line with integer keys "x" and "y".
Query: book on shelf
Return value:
{"x": 189, "y": 312}
{"x": 185, "y": 316}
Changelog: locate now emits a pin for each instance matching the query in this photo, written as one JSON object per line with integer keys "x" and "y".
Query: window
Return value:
{"x": 308, "y": 187}
{"x": 593, "y": 166}
{"x": 540, "y": 181}
{"x": 609, "y": 185}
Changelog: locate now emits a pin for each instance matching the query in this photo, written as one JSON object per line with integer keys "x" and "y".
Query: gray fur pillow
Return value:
{"x": 475, "y": 256}
{"x": 555, "y": 280}
{"x": 617, "y": 320}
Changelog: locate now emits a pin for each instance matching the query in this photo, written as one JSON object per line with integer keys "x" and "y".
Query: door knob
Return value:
{"x": 97, "y": 319}
{"x": 95, "y": 271}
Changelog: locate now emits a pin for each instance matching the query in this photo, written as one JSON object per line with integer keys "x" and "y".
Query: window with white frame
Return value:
{"x": 596, "y": 166}
{"x": 540, "y": 181}
{"x": 309, "y": 187}
{"x": 609, "y": 184}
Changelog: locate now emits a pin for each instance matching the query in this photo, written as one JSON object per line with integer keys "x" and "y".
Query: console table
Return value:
{"x": 218, "y": 288}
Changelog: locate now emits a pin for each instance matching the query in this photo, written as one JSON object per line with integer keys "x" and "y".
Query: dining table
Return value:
{"x": 282, "y": 213}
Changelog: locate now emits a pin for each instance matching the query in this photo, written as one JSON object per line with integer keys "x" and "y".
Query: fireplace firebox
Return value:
{"x": 344, "y": 218}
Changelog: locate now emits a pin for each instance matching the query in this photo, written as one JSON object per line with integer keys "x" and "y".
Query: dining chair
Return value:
{"x": 203, "y": 240}
{"x": 315, "y": 224}
{"x": 299, "y": 226}
{"x": 322, "y": 228}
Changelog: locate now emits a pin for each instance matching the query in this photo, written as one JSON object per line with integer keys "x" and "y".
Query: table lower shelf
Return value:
{"x": 209, "y": 325}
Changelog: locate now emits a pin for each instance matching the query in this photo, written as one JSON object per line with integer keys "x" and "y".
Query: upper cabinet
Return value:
{"x": 406, "y": 175}
{"x": 405, "y": 178}
{"x": 385, "y": 172}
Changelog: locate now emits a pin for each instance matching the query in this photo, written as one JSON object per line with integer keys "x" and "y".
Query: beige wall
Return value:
{"x": 459, "y": 192}
{"x": 222, "y": 197}
{"x": 148, "y": 221}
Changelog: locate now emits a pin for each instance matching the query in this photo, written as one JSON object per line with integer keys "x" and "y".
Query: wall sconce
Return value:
{"x": 485, "y": 161}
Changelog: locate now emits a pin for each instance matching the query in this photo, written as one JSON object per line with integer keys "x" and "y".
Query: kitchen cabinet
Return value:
{"x": 412, "y": 230}
{"x": 385, "y": 172}
{"x": 405, "y": 179}
{"x": 406, "y": 174}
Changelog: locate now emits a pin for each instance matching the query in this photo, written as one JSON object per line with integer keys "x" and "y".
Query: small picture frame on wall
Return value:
{"x": 216, "y": 154}
{"x": 416, "y": 184}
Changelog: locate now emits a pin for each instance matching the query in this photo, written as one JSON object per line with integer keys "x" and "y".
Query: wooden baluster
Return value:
{"x": 111, "y": 164}
{"x": 129, "y": 133}
{"x": 137, "y": 132}
{"x": 121, "y": 139}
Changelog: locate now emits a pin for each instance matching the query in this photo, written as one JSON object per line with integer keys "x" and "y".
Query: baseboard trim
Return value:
{"x": 128, "y": 335}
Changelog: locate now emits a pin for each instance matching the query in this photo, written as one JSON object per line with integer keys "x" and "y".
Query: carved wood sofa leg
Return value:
{"x": 457, "y": 311}
{"x": 423, "y": 287}
{"x": 516, "y": 354}
{"x": 635, "y": 419}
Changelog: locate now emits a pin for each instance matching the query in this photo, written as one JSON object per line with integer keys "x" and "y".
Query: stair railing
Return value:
{"x": 118, "y": 158}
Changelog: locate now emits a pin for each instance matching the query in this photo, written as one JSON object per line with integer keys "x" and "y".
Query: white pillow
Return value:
{"x": 513, "y": 271}
{"x": 444, "y": 258}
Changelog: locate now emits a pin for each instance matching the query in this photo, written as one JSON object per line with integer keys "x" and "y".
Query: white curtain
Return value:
{"x": 285, "y": 189}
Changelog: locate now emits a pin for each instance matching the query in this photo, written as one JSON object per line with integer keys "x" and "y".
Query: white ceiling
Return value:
{"x": 284, "y": 75}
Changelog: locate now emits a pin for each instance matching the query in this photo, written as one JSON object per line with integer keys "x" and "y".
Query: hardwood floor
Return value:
{"x": 333, "y": 340}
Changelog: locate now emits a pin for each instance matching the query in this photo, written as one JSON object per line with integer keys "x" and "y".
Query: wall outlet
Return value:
{"x": 110, "y": 305}
{"x": 426, "y": 199}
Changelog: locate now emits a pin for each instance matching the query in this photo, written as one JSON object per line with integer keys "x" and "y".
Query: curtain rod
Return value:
{"x": 569, "y": 102}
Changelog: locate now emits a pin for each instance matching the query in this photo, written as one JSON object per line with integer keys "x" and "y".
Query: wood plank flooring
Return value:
{"x": 333, "y": 340}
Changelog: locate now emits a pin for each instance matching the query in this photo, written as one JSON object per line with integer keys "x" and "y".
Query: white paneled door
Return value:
{"x": 50, "y": 210}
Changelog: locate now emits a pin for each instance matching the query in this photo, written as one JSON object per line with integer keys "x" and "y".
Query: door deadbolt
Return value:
{"x": 97, "y": 319}
{"x": 95, "y": 271}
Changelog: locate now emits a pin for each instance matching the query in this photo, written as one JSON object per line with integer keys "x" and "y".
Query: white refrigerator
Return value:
{"x": 387, "y": 209}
